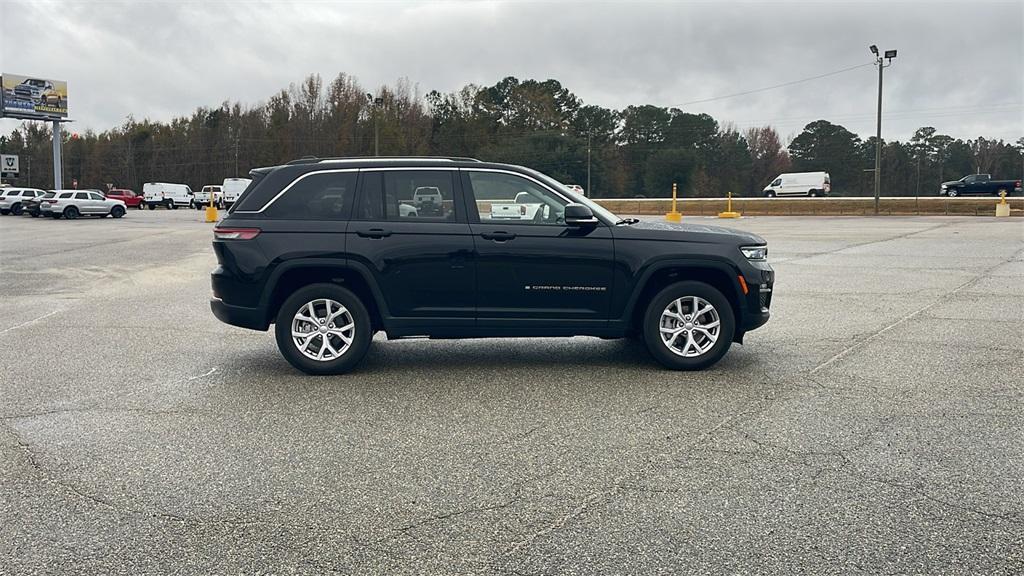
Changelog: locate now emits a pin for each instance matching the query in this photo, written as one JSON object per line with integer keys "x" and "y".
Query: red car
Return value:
{"x": 129, "y": 197}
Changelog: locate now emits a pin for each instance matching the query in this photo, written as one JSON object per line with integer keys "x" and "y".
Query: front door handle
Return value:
{"x": 374, "y": 233}
{"x": 498, "y": 236}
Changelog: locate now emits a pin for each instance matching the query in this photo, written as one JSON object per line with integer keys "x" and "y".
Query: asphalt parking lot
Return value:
{"x": 874, "y": 425}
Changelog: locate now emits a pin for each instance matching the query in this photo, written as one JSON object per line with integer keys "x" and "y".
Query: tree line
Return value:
{"x": 637, "y": 151}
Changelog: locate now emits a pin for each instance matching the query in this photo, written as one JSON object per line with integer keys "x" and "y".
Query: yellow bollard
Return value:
{"x": 1002, "y": 209}
{"x": 728, "y": 210}
{"x": 211, "y": 212}
{"x": 674, "y": 215}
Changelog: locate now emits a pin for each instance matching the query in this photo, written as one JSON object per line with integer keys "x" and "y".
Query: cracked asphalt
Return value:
{"x": 873, "y": 425}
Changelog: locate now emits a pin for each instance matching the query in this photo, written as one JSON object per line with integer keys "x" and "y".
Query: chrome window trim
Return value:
{"x": 292, "y": 183}
{"x": 409, "y": 169}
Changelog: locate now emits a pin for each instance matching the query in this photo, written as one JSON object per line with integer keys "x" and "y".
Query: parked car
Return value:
{"x": 978, "y": 184}
{"x": 71, "y": 204}
{"x": 170, "y": 196}
{"x": 12, "y": 200}
{"x": 232, "y": 188}
{"x": 799, "y": 184}
{"x": 329, "y": 274}
{"x": 129, "y": 197}
{"x": 32, "y": 205}
{"x": 575, "y": 188}
{"x": 202, "y": 198}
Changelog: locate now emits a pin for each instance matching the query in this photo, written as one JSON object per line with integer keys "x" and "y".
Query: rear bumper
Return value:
{"x": 241, "y": 316}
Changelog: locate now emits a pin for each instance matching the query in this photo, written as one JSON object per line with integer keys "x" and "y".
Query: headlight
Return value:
{"x": 755, "y": 252}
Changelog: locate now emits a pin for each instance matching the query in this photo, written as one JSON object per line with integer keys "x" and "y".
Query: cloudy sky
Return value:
{"x": 960, "y": 66}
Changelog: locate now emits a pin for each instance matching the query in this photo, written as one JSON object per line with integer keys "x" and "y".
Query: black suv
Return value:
{"x": 334, "y": 250}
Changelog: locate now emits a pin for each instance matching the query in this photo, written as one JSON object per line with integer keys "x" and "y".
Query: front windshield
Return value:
{"x": 601, "y": 212}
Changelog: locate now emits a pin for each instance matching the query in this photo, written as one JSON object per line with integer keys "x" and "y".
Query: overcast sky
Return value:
{"x": 960, "y": 66}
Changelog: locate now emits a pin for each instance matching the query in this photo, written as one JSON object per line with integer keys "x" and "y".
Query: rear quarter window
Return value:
{"x": 316, "y": 196}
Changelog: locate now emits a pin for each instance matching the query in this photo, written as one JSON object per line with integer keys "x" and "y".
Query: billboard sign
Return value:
{"x": 8, "y": 165}
{"x": 33, "y": 98}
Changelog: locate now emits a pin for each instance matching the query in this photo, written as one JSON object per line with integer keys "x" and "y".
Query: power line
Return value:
{"x": 783, "y": 85}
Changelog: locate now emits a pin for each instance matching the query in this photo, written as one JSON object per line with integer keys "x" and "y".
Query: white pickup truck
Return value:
{"x": 525, "y": 207}
{"x": 202, "y": 198}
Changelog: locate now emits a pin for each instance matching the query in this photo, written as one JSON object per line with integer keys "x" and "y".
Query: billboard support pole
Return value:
{"x": 58, "y": 169}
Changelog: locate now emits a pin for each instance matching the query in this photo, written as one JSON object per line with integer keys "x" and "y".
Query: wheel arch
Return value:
{"x": 293, "y": 275}
{"x": 719, "y": 275}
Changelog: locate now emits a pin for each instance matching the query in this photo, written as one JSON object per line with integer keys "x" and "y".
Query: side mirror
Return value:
{"x": 579, "y": 215}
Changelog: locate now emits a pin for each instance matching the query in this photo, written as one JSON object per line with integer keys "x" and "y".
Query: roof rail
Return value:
{"x": 314, "y": 159}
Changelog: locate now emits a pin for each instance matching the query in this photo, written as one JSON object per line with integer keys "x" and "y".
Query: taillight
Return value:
{"x": 50, "y": 201}
{"x": 235, "y": 233}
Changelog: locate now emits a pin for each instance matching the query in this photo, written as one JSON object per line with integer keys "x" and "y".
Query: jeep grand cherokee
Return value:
{"x": 321, "y": 249}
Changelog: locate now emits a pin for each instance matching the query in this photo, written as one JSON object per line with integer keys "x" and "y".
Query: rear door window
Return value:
{"x": 316, "y": 196}
{"x": 81, "y": 196}
{"x": 419, "y": 195}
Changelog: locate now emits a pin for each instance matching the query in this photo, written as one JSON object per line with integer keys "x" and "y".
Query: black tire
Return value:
{"x": 684, "y": 290}
{"x": 770, "y": 194}
{"x": 952, "y": 193}
{"x": 71, "y": 213}
{"x": 151, "y": 206}
{"x": 34, "y": 213}
{"x": 16, "y": 209}
{"x": 141, "y": 206}
{"x": 55, "y": 215}
{"x": 360, "y": 339}
{"x": 812, "y": 193}
{"x": 117, "y": 212}
{"x": 5, "y": 212}
{"x": 171, "y": 205}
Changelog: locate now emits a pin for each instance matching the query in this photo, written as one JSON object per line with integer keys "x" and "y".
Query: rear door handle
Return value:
{"x": 498, "y": 236}
{"x": 374, "y": 233}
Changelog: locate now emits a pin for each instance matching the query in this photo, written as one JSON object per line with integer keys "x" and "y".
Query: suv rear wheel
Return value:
{"x": 688, "y": 326}
{"x": 323, "y": 329}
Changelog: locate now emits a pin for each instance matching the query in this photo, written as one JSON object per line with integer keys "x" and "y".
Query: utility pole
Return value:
{"x": 236, "y": 154}
{"x": 375, "y": 103}
{"x": 587, "y": 192}
{"x": 889, "y": 54}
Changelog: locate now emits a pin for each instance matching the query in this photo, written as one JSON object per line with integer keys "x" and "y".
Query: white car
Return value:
{"x": 799, "y": 184}
{"x": 11, "y": 199}
{"x": 232, "y": 188}
{"x": 71, "y": 204}
{"x": 202, "y": 198}
{"x": 575, "y": 188}
{"x": 171, "y": 196}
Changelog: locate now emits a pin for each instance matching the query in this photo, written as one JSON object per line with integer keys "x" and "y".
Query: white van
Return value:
{"x": 799, "y": 184}
{"x": 167, "y": 195}
{"x": 232, "y": 188}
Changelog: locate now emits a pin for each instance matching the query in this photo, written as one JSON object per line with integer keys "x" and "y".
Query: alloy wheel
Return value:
{"x": 323, "y": 329}
{"x": 690, "y": 326}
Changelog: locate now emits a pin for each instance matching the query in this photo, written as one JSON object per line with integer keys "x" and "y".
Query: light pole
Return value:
{"x": 889, "y": 55}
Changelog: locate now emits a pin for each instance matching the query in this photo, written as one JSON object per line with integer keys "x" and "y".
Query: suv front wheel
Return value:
{"x": 688, "y": 326}
{"x": 323, "y": 329}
